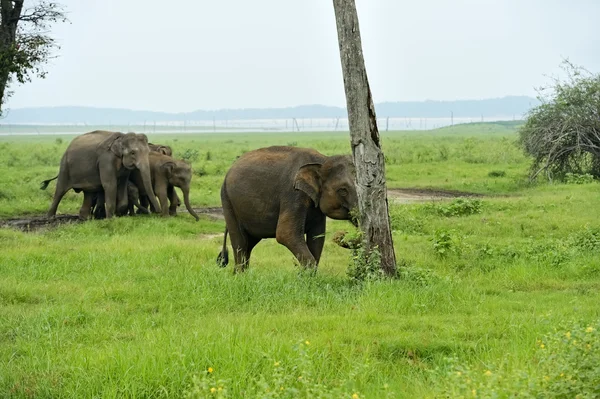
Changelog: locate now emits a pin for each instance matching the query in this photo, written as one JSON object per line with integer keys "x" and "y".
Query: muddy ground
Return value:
{"x": 398, "y": 195}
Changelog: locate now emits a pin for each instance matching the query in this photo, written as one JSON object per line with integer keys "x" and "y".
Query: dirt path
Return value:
{"x": 398, "y": 195}
{"x": 412, "y": 195}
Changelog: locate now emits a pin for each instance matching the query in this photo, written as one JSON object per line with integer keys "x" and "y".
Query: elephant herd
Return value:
{"x": 116, "y": 170}
{"x": 277, "y": 192}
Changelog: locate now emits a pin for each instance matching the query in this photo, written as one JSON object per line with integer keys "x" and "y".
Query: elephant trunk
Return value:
{"x": 186, "y": 200}
{"x": 144, "y": 168}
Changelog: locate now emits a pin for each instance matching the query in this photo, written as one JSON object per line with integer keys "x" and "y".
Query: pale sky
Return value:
{"x": 185, "y": 55}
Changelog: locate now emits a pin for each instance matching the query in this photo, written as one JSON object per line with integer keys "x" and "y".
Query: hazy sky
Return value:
{"x": 209, "y": 54}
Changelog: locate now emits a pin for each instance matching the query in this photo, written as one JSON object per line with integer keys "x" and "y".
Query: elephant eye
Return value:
{"x": 132, "y": 152}
{"x": 343, "y": 192}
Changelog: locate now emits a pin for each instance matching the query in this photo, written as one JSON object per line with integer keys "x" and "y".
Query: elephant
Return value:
{"x": 98, "y": 209}
{"x": 285, "y": 193}
{"x": 102, "y": 160}
{"x": 167, "y": 173}
{"x": 163, "y": 149}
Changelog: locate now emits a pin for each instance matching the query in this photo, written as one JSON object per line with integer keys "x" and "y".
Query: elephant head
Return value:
{"x": 163, "y": 149}
{"x": 179, "y": 174}
{"x": 132, "y": 149}
{"x": 331, "y": 186}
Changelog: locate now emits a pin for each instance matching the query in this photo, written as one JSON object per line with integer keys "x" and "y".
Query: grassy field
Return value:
{"x": 498, "y": 296}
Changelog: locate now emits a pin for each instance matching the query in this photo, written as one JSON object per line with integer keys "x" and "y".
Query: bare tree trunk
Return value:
{"x": 366, "y": 145}
{"x": 9, "y": 16}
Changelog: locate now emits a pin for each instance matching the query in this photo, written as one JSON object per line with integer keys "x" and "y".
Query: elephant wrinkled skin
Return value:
{"x": 102, "y": 160}
{"x": 285, "y": 193}
{"x": 167, "y": 173}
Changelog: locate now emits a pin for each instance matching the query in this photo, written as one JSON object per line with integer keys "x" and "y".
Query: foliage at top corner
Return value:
{"x": 562, "y": 134}
{"x": 25, "y": 45}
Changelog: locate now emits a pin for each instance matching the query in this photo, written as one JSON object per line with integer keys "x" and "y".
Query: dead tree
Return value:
{"x": 366, "y": 143}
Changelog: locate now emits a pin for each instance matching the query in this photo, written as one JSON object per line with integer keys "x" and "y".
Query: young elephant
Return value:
{"x": 285, "y": 193}
{"x": 167, "y": 173}
{"x": 98, "y": 209}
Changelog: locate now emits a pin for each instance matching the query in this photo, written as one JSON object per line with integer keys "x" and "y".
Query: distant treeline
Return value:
{"x": 506, "y": 106}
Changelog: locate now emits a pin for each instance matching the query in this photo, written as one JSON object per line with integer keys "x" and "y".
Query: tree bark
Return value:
{"x": 9, "y": 15}
{"x": 366, "y": 144}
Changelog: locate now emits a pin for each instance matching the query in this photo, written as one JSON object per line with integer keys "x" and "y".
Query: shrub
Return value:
{"x": 458, "y": 207}
{"x": 567, "y": 365}
{"x": 443, "y": 243}
{"x": 577, "y": 178}
{"x": 497, "y": 173}
{"x": 190, "y": 155}
{"x": 562, "y": 133}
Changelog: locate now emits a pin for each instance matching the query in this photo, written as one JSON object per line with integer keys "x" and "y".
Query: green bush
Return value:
{"x": 497, "y": 173}
{"x": 577, "y": 178}
{"x": 458, "y": 207}
{"x": 567, "y": 365}
{"x": 444, "y": 244}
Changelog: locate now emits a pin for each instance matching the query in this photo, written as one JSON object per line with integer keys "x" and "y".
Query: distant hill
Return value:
{"x": 505, "y": 106}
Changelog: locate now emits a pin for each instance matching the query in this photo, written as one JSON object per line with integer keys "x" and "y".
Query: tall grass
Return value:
{"x": 136, "y": 306}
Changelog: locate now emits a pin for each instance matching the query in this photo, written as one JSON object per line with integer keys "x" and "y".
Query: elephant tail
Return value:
{"x": 223, "y": 258}
{"x": 45, "y": 183}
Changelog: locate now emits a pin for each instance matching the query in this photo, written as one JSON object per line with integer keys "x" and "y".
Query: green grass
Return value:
{"x": 136, "y": 307}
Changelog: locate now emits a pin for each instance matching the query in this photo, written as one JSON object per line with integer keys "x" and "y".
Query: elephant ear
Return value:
{"x": 165, "y": 150}
{"x": 115, "y": 144}
{"x": 308, "y": 179}
{"x": 168, "y": 167}
{"x": 142, "y": 137}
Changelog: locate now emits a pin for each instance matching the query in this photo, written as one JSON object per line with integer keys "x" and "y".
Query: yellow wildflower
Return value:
{"x": 276, "y": 364}
{"x": 307, "y": 342}
{"x": 458, "y": 373}
{"x": 589, "y": 329}
{"x": 488, "y": 373}
{"x": 299, "y": 377}
{"x": 568, "y": 334}
{"x": 210, "y": 370}
{"x": 355, "y": 396}
{"x": 588, "y": 346}
{"x": 213, "y": 390}
{"x": 474, "y": 392}
{"x": 542, "y": 346}
{"x": 562, "y": 374}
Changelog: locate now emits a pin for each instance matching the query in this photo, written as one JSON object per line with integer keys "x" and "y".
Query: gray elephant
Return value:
{"x": 98, "y": 209}
{"x": 102, "y": 160}
{"x": 167, "y": 173}
{"x": 163, "y": 149}
{"x": 285, "y": 193}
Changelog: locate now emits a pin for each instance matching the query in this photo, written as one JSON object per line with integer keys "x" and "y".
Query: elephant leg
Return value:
{"x": 122, "y": 196}
{"x": 109, "y": 184}
{"x": 241, "y": 242}
{"x": 62, "y": 186}
{"x": 161, "y": 192}
{"x": 315, "y": 239}
{"x": 99, "y": 209}
{"x": 86, "y": 207}
{"x": 174, "y": 200}
{"x": 290, "y": 233}
{"x": 145, "y": 203}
